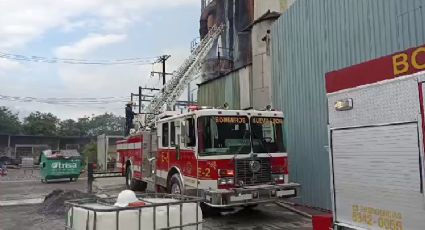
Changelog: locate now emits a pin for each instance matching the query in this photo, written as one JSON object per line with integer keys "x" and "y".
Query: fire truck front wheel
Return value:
{"x": 176, "y": 184}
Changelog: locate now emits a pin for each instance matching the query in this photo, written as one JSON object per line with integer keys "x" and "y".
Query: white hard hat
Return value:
{"x": 126, "y": 197}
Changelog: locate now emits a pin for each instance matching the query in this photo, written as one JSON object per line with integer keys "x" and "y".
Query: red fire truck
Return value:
{"x": 228, "y": 157}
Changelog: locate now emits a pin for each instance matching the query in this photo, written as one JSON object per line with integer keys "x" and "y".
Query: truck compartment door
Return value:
{"x": 377, "y": 177}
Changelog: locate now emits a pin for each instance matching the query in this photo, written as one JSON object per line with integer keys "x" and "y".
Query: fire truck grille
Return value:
{"x": 246, "y": 176}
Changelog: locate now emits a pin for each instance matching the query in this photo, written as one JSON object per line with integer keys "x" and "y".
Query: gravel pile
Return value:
{"x": 54, "y": 203}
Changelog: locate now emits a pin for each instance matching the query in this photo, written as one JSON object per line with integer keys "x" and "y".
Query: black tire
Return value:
{"x": 175, "y": 185}
{"x": 134, "y": 184}
{"x": 139, "y": 185}
{"x": 128, "y": 179}
{"x": 43, "y": 181}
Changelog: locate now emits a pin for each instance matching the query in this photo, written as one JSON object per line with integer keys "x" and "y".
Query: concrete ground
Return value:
{"x": 267, "y": 217}
{"x": 263, "y": 217}
{"x": 20, "y": 187}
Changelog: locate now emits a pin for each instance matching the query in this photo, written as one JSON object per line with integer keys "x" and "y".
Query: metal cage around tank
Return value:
{"x": 180, "y": 201}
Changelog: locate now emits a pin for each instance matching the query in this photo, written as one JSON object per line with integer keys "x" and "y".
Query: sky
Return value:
{"x": 91, "y": 30}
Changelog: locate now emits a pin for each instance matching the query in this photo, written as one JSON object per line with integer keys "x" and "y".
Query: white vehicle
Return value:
{"x": 376, "y": 133}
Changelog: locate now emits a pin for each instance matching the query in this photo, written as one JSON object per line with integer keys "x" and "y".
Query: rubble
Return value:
{"x": 54, "y": 203}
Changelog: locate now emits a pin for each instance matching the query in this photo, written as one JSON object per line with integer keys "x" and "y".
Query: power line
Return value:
{"x": 67, "y": 101}
{"x": 54, "y": 60}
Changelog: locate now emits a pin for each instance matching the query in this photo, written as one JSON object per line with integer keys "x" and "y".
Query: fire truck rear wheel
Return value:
{"x": 176, "y": 184}
{"x": 129, "y": 178}
{"x": 132, "y": 183}
{"x": 140, "y": 185}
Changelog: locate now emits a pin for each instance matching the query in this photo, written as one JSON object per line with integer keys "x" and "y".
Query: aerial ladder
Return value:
{"x": 186, "y": 73}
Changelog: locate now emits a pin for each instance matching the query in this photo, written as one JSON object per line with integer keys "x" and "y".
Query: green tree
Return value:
{"x": 107, "y": 123}
{"x": 45, "y": 124}
{"x": 9, "y": 122}
{"x": 69, "y": 128}
{"x": 83, "y": 125}
{"x": 90, "y": 153}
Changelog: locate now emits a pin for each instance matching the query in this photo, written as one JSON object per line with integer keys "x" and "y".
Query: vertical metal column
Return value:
{"x": 90, "y": 178}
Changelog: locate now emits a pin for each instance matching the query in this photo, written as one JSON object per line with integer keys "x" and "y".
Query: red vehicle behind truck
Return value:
{"x": 228, "y": 157}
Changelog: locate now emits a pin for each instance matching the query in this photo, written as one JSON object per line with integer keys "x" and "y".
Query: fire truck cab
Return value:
{"x": 228, "y": 157}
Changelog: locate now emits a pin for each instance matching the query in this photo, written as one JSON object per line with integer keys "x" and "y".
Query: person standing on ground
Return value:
{"x": 129, "y": 116}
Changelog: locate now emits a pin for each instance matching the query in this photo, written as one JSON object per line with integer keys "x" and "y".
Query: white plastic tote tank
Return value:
{"x": 129, "y": 219}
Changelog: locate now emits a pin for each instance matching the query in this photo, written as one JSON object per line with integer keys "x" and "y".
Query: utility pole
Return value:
{"x": 160, "y": 74}
{"x": 162, "y": 59}
{"x": 140, "y": 99}
{"x": 141, "y": 96}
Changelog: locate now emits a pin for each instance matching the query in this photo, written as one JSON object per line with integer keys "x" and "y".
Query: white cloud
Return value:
{"x": 89, "y": 44}
{"x": 72, "y": 26}
{"x": 22, "y": 21}
{"x": 90, "y": 81}
{"x": 9, "y": 65}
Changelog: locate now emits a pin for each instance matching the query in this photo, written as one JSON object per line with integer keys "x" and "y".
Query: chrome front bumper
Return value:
{"x": 249, "y": 195}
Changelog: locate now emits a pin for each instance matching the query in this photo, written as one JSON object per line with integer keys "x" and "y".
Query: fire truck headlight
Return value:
{"x": 230, "y": 181}
{"x": 226, "y": 181}
{"x": 278, "y": 177}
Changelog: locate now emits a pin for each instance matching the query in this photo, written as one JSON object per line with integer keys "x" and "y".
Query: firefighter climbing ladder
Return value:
{"x": 187, "y": 72}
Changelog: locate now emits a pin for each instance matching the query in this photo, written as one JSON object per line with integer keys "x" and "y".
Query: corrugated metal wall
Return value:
{"x": 314, "y": 37}
{"x": 217, "y": 92}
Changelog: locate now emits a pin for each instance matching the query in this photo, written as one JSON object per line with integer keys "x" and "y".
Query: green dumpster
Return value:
{"x": 60, "y": 164}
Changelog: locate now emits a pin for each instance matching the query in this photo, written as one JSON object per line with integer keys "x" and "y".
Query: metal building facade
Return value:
{"x": 317, "y": 36}
{"x": 220, "y": 91}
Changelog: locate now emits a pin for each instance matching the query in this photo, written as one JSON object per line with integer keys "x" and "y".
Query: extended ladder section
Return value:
{"x": 187, "y": 72}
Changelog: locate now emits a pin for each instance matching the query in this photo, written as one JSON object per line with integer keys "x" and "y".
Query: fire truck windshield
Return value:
{"x": 267, "y": 135}
{"x": 223, "y": 135}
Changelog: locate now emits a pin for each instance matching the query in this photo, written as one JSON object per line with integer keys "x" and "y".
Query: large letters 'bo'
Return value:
{"x": 403, "y": 61}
